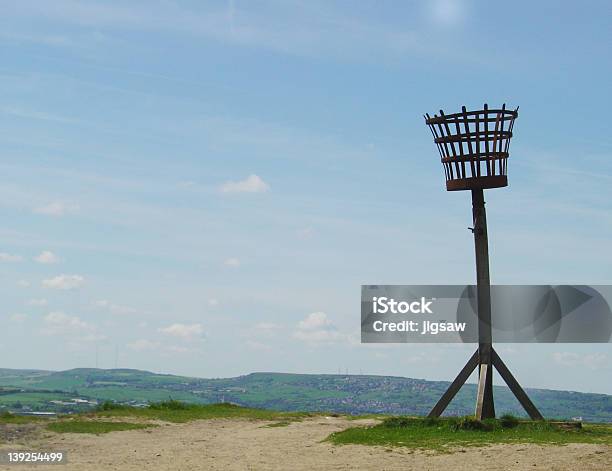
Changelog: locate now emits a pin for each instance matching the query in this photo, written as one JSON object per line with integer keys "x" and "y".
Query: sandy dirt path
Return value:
{"x": 230, "y": 444}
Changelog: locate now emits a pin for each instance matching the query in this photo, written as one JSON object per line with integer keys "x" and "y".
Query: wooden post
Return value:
{"x": 484, "y": 402}
{"x": 485, "y": 358}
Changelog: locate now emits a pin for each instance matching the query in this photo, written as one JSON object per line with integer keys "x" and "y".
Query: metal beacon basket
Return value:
{"x": 474, "y": 146}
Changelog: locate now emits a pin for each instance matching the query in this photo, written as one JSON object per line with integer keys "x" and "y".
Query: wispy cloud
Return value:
{"x": 292, "y": 27}
{"x": 231, "y": 262}
{"x": 305, "y": 233}
{"x": 45, "y": 39}
{"x": 37, "y": 302}
{"x": 251, "y": 184}
{"x": 18, "y": 317}
{"x": 64, "y": 282}
{"x": 184, "y": 331}
{"x": 114, "y": 308}
{"x": 20, "y": 112}
{"x": 47, "y": 257}
{"x": 57, "y": 208}
{"x": 7, "y": 257}
{"x": 60, "y": 323}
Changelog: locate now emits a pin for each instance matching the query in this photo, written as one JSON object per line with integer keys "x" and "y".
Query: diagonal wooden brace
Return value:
{"x": 515, "y": 387}
{"x": 455, "y": 386}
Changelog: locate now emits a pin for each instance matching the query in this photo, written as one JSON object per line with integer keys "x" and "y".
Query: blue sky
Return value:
{"x": 202, "y": 187}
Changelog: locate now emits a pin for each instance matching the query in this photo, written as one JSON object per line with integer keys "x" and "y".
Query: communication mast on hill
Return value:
{"x": 474, "y": 148}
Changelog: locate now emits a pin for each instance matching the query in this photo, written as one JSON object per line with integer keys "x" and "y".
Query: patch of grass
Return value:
{"x": 176, "y": 411}
{"x": 171, "y": 404}
{"x": 93, "y": 426}
{"x": 448, "y": 433}
{"x": 8, "y": 418}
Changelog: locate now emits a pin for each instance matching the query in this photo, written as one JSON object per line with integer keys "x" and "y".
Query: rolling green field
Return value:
{"x": 346, "y": 394}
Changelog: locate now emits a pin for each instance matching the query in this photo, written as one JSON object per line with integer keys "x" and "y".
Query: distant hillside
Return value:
{"x": 80, "y": 389}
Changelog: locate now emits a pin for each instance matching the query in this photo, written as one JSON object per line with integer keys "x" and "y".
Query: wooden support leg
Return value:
{"x": 515, "y": 387}
{"x": 485, "y": 408}
{"x": 452, "y": 390}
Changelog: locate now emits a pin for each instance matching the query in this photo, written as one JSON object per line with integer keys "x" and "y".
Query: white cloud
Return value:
{"x": 315, "y": 320}
{"x": 232, "y": 262}
{"x": 18, "y": 317}
{"x": 64, "y": 282}
{"x": 185, "y": 331}
{"x": 57, "y": 208}
{"x": 213, "y": 302}
{"x": 593, "y": 361}
{"x": 59, "y": 323}
{"x": 23, "y": 283}
{"x": 114, "y": 308}
{"x": 252, "y": 184}
{"x": 317, "y": 328}
{"x": 7, "y": 257}
{"x": 142, "y": 345}
{"x": 46, "y": 257}
{"x": 37, "y": 302}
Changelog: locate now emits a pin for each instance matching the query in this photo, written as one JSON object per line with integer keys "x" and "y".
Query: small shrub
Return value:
{"x": 508, "y": 421}
{"x": 108, "y": 405}
{"x": 431, "y": 421}
{"x": 470, "y": 423}
{"x": 402, "y": 422}
{"x": 170, "y": 404}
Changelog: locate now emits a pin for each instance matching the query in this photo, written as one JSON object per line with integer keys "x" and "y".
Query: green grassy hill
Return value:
{"x": 351, "y": 394}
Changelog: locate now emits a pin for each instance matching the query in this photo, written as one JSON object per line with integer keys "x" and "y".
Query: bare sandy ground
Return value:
{"x": 231, "y": 444}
